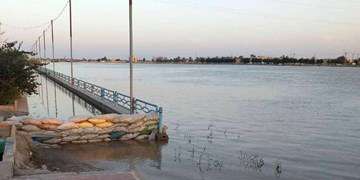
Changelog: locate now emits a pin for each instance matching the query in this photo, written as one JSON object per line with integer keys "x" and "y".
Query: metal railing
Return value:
{"x": 108, "y": 95}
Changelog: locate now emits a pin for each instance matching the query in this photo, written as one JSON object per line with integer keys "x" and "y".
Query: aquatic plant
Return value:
{"x": 251, "y": 160}
{"x": 277, "y": 168}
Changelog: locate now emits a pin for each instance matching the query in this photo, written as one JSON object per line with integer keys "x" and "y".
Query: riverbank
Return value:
{"x": 235, "y": 64}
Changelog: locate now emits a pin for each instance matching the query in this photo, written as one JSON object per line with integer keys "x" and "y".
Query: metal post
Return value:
{"x": 71, "y": 44}
{"x": 131, "y": 57}
{"x": 52, "y": 44}
{"x": 55, "y": 96}
{"x": 0, "y": 34}
{"x": 47, "y": 96}
{"x": 39, "y": 47}
{"x": 44, "y": 44}
{"x": 160, "y": 111}
{"x": 44, "y": 49}
{"x": 36, "y": 47}
{"x": 42, "y": 90}
{"x": 73, "y": 104}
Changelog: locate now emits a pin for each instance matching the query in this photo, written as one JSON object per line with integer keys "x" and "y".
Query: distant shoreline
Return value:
{"x": 254, "y": 64}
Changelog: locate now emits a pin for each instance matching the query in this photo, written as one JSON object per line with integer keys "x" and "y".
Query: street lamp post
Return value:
{"x": 132, "y": 105}
{"x": 44, "y": 45}
{"x": 71, "y": 44}
{"x": 52, "y": 44}
{"x": 39, "y": 48}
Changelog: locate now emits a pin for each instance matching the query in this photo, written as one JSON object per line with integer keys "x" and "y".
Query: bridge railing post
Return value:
{"x": 102, "y": 92}
{"x": 160, "y": 112}
{"x": 115, "y": 95}
{"x": 132, "y": 105}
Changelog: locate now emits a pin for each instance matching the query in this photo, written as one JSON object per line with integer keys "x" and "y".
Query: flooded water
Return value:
{"x": 228, "y": 121}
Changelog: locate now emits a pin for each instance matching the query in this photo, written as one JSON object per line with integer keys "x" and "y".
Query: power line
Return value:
{"x": 61, "y": 12}
{"x": 41, "y": 24}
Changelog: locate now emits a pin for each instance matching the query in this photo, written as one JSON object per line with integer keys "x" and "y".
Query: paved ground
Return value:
{"x": 82, "y": 176}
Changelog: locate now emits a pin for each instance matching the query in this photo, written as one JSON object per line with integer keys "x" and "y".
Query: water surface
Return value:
{"x": 231, "y": 122}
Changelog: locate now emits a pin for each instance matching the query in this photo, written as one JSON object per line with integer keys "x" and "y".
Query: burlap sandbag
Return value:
{"x": 137, "y": 129}
{"x": 128, "y": 119}
{"x": 103, "y": 136}
{"x": 51, "y": 121}
{"x": 107, "y": 139}
{"x": 85, "y": 124}
{"x": 107, "y": 117}
{"x": 79, "y": 119}
{"x": 121, "y": 128}
{"x": 129, "y": 136}
{"x": 96, "y": 121}
{"x": 71, "y": 132}
{"x": 137, "y": 117}
{"x": 30, "y": 128}
{"x": 67, "y": 126}
{"x": 142, "y": 137}
{"x": 153, "y": 116}
{"x": 31, "y": 122}
{"x": 45, "y": 133}
{"x": 70, "y": 138}
{"x": 92, "y": 130}
{"x": 89, "y": 136}
{"x": 107, "y": 130}
{"x": 151, "y": 123}
{"x": 147, "y": 131}
{"x": 137, "y": 124}
{"x": 104, "y": 125}
{"x": 152, "y": 127}
{"x": 123, "y": 118}
{"x": 50, "y": 127}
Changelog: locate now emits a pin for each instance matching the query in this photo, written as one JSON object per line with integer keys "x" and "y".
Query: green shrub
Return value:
{"x": 17, "y": 74}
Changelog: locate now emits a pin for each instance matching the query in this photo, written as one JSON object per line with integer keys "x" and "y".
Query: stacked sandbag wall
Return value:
{"x": 101, "y": 128}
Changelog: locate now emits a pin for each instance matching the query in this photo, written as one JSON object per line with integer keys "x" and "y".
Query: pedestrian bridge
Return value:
{"x": 105, "y": 100}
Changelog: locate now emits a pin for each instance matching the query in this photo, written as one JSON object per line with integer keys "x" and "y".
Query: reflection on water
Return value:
{"x": 100, "y": 156}
{"x": 56, "y": 101}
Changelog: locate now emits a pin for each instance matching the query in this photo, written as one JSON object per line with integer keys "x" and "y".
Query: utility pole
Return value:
{"x": 52, "y": 44}
{"x": 44, "y": 44}
{"x": 132, "y": 105}
{"x": 71, "y": 44}
{"x": 36, "y": 48}
{"x": 1, "y": 33}
{"x": 39, "y": 47}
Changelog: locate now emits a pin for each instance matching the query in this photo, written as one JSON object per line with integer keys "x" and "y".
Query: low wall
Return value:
{"x": 19, "y": 108}
{"x": 102, "y": 128}
{"x": 7, "y": 163}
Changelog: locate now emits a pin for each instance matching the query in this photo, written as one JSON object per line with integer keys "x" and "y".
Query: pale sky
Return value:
{"x": 325, "y": 28}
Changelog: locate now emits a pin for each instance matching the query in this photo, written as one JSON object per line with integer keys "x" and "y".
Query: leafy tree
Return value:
{"x": 17, "y": 74}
